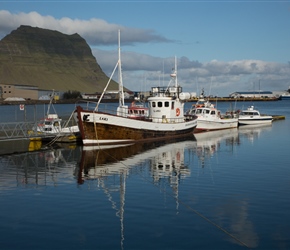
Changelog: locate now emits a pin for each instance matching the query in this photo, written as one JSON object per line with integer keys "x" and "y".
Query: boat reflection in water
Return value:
{"x": 209, "y": 142}
{"x": 165, "y": 158}
{"x": 165, "y": 161}
{"x": 168, "y": 164}
{"x": 252, "y": 132}
{"x": 163, "y": 164}
{"x": 39, "y": 168}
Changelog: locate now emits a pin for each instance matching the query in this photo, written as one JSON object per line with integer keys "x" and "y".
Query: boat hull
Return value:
{"x": 101, "y": 128}
{"x": 212, "y": 125}
{"x": 285, "y": 97}
{"x": 255, "y": 121}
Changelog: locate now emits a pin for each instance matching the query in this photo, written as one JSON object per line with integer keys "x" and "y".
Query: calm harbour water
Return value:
{"x": 219, "y": 190}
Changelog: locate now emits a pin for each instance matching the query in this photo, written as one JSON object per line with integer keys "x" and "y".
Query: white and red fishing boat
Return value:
{"x": 163, "y": 119}
{"x": 138, "y": 110}
{"x": 209, "y": 118}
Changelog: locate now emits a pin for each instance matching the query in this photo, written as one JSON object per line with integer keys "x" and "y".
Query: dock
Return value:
{"x": 278, "y": 117}
{"x": 18, "y": 137}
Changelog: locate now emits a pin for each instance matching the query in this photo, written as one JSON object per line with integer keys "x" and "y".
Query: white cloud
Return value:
{"x": 95, "y": 31}
{"x": 222, "y": 77}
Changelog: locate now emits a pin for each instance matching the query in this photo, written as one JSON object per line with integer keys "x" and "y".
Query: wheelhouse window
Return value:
{"x": 198, "y": 111}
{"x": 159, "y": 104}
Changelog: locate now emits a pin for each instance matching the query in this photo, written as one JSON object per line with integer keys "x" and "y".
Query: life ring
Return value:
{"x": 177, "y": 112}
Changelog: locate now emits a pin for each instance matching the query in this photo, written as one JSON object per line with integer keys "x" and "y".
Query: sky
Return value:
{"x": 220, "y": 46}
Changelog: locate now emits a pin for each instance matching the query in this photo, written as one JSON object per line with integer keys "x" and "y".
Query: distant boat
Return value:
{"x": 164, "y": 117}
{"x": 286, "y": 94}
{"x": 252, "y": 116}
{"x": 209, "y": 118}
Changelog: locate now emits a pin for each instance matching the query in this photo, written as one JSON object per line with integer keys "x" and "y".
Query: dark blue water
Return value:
{"x": 219, "y": 190}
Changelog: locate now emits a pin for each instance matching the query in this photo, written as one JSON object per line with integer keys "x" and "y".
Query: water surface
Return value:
{"x": 218, "y": 190}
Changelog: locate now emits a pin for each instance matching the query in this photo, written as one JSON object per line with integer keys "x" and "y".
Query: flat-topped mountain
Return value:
{"x": 49, "y": 59}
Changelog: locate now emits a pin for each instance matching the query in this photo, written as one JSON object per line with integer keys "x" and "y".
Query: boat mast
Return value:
{"x": 175, "y": 71}
{"x": 121, "y": 93}
{"x": 50, "y": 103}
{"x": 174, "y": 76}
{"x": 121, "y": 90}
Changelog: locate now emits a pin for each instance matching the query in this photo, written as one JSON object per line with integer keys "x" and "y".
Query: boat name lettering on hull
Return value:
{"x": 103, "y": 118}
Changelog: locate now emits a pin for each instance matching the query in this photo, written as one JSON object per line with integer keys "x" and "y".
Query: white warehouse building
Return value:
{"x": 252, "y": 94}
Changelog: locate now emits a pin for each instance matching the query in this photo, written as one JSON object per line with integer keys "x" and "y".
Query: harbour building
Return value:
{"x": 252, "y": 94}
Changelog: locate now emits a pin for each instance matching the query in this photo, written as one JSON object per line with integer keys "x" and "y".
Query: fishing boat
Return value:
{"x": 138, "y": 110}
{"x": 251, "y": 116}
{"x": 209, "y": 118}
{"x": 165, "y": 117}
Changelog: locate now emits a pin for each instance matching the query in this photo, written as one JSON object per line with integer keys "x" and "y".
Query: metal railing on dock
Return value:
{"x": 13, "y": 130}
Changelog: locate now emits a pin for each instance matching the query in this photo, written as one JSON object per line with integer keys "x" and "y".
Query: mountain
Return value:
{"x": 49, "y": 59}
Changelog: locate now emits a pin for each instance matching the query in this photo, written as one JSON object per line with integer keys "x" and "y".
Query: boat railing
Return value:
{"x": 109, "y": 108}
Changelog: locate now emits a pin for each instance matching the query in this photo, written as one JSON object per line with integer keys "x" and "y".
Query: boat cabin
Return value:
{"x": 250, "y": 112}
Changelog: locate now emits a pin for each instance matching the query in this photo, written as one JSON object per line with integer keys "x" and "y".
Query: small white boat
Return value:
{"x": 252, "y": 116}
{"x": 209, "y": 118}
{"x": 53, "y": 126}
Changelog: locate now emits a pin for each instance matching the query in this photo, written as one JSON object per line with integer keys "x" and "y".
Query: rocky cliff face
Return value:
{"x": 50, "y": 60}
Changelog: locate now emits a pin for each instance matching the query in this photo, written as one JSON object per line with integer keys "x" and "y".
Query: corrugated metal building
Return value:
{"x": 26, "y": 92}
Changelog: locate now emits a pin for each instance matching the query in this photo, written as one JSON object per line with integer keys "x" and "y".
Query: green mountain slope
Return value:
{"x": 50, "y": 60}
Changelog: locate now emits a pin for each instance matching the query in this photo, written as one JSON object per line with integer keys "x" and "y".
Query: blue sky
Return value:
{"x": 221, "y": 46}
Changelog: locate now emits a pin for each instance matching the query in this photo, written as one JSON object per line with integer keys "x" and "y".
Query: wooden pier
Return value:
{"x": 278, "y": 117}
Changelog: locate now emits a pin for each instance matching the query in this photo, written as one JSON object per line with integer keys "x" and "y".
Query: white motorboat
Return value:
{"x": 251, "y": 116}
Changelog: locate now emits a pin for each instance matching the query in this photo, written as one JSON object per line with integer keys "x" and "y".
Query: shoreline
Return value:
{"x": 74, "y": 101}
